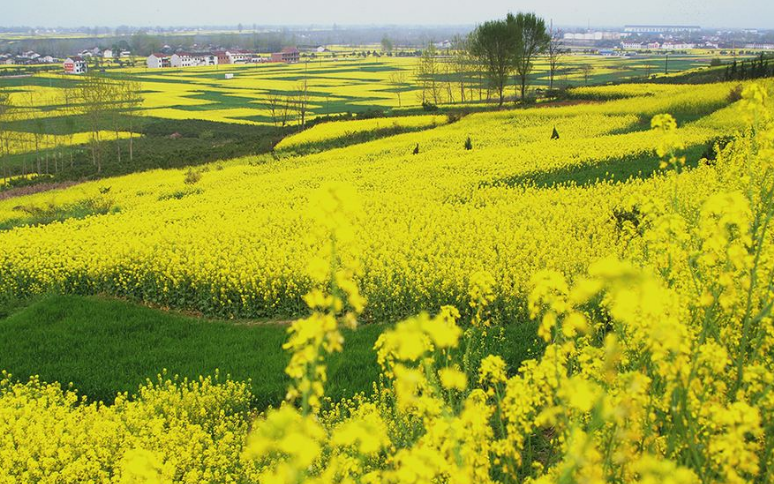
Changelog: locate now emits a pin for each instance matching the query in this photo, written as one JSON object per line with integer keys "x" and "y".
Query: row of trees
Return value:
{"x": 482, "y": 63}
{"x": 96, "y": 104}
{"x": 510, "y": 46}
{"x": 287, "y": 108}
{"x": 749, "y": 69}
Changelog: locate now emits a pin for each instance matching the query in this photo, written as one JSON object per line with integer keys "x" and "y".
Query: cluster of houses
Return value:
{"x": 195, "y": 59}
{"x": 78, "y": 64}
{"x": 26, "y": 58}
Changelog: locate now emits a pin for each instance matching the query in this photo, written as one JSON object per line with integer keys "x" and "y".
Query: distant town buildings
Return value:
{"x": 759, "y": 46}
{"x": 593, "y": 36}
{"x": 661, "y": 29}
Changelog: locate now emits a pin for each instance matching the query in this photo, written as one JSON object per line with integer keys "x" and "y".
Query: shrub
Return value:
{"x": 735, "y": 94}
{"x": 428, "y": 106}
{"x": 192, "y": 177}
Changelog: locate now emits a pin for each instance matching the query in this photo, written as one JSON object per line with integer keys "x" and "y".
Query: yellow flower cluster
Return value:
{"x": 325, "y": 132}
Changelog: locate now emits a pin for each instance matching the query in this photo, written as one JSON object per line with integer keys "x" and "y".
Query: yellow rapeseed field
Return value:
{"x": 236, "y": 242}
{"x": 653, "y": 298}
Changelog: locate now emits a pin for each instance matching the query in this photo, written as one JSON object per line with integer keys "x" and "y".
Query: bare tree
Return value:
{"x": 301, "y": 101}
{"x": 287, "y": 109}
{"x": 461, "y": 62}
{"x": 30, "y": 104}
{"x": 274, "y": 104}
{"x": 71, "y": 109}
{"x": 399, "y": 80}
{"x": 5, "y": 114}
{"x": 555, "y": 53}
{"x": 131, "y": 100}
{"x": 586, "y": 69}
{"x": 94, "y": 98}
{"x": 115, "y": 107}
{"x": 428, "y": 71}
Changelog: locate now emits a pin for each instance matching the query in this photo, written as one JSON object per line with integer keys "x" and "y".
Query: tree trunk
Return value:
{"x": 118, "y": 145}
{"x": 523, "y": 87}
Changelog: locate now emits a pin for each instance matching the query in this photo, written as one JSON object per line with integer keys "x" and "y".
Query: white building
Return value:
{"x": 661, "y": 29}
{"x": 238, "y": 56}
{"x": 124, "y": 54}
{"x": 107, "y": 54}
{"x": 631, "y": 45}
{"x": 598, "y": 35}
{"x": 157, "y": 61}
{"x": 671, "y": 46}
{"x": 186, "y": 59}
{"x": 75, "y": 65}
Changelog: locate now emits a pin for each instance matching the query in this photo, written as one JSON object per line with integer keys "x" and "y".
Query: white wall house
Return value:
{"x": 239, "y": 56}
{"x": 185, "y": 59}
{"x": 157, "y": 61}
{"x": 75, "y": 65}
{"x": 107, "y": 54}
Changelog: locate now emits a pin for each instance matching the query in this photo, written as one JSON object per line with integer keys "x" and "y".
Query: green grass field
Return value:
{"x": 106, "y": 346}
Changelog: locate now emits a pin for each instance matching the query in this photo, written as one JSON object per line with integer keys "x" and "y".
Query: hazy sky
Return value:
{"x": 70, "y": 13}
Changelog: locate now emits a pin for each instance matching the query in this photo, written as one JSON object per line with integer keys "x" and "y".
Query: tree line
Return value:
{"x": 45, "y": 138}
{"x": 481, "y": 64}
{"x": 288, "y": 108}
{"x": 750, "y": 69}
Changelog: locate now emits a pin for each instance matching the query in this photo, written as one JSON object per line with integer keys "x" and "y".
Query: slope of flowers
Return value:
{"x": 235, "y": 243}
{"x": 657, "y": 367}
{"x": 334, "y": 130}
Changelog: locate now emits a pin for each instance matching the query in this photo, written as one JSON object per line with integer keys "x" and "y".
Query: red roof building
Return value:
{"x": 288, "y": 55}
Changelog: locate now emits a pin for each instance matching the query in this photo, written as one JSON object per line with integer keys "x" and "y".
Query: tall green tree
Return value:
{"x": 532, "y": 39}
{"x": 493, "y": 44}
{"x": 386, "y": 44}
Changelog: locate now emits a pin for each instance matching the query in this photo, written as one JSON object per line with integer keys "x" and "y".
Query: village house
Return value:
{"x": 289, "y": 55}
{"x": 107, "y": 54}
{"x": 239, "y": 56}
{"x": 234, "y": 56}
{"x": 188, "y": 59}
{"x": 75, "y": 65}
{"x": 157, "y": 61}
